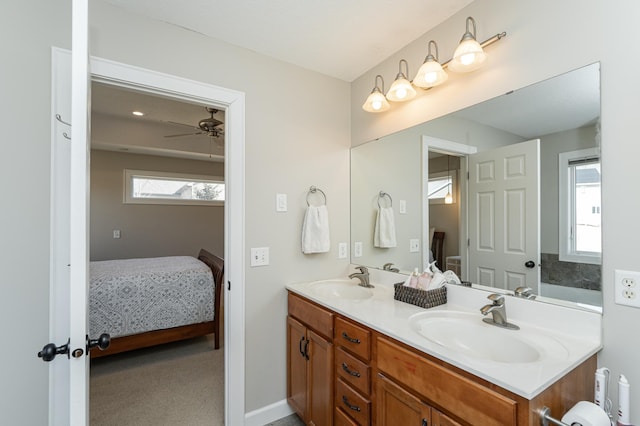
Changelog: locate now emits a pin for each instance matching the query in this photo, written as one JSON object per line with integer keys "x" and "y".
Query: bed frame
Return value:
{"x": 437, "y": 248}
{"x": 157, "y": 337}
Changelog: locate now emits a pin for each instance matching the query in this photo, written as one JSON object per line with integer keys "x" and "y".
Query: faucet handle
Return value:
{"x": 362, "y": 269}
{"x": 496, "y": 298}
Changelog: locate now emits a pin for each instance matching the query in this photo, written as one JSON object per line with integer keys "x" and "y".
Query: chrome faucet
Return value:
{"x": 363, "y": 276}
{"x": 388, "y": 267}
{"x": 498, "y": 311}
{"x": 524, "y": 292}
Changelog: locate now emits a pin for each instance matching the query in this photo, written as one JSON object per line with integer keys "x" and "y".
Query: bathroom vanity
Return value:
{"x": 357, "y": 357}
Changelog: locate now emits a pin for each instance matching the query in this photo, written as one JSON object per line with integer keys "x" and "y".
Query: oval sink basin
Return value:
{"x": 340, "y": 289}
{"x": 466, "y": 333}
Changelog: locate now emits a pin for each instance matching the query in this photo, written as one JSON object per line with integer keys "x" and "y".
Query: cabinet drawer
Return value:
{"x": 313, "y": 316}
{"x": 341, "y": 419}
{"x": 455, "y": 394}
{"x": 353, "y": 371}
{"x": 352, "y": 403}
{"x": 353, "y": 338}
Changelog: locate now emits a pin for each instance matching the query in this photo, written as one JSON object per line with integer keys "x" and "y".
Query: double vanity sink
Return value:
{"x": 524, "y": 361}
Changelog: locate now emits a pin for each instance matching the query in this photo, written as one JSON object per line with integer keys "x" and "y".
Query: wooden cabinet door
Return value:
{"x": 297, "y": 366}
{"x": 320, "y": 380}
{"x": 395, "y": 406}
{"x": 439, "y": 419}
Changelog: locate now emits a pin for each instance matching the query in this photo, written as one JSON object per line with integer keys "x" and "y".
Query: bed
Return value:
{"x": 146, "y": 302}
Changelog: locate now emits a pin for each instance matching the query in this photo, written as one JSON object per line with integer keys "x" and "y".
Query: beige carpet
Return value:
{"x": 174, "y": 384}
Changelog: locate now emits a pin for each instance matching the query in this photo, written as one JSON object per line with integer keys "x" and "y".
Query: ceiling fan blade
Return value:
{"x": 184, "y": 134}
{"x": 181, "y": 124}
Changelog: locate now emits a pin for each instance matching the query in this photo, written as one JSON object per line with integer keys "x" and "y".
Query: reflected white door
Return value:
{"x": 504, "y": 216}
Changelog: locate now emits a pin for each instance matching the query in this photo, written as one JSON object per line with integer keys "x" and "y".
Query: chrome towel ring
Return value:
{"x": 314, "y": 190}
{"x": 383, "y": 194}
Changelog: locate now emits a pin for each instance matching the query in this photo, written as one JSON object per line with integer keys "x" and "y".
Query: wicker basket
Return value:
{"x": 423, "y": 298}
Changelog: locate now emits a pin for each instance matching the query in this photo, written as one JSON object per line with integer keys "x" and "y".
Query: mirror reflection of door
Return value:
{"x": 504, "y": 216}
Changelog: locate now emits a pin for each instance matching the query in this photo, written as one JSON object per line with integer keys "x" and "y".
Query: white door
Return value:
{"x": 504, "y": 217}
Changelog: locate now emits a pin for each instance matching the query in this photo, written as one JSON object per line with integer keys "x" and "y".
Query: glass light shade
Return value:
{"x": 430, "y": 74}
{"x": 376, "y": 102}
{"x": 401, "y": 90}
{"x": 468, "y": 56}
{"x": 448, "y": 199}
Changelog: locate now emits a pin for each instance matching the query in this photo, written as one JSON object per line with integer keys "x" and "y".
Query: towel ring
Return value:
{"x": 383, "y": 194}
{"x": 313, "y": 190}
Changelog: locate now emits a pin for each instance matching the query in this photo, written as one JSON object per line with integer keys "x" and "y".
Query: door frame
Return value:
{"x": 443, "y": 146}
{"x": 233, "y": 103}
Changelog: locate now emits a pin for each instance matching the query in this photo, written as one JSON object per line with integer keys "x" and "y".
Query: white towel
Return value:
{"x": 315, "y": 230}
{"x": 385, "y": 233}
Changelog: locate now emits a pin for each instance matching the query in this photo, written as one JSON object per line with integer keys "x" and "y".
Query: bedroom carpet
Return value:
{"x": 174, "y": 384}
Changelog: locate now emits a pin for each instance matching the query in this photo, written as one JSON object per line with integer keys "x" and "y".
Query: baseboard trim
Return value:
{"x": 268, "y": 414}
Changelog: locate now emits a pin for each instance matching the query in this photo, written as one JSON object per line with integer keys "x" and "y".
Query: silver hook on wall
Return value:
{"x": 66, "y": 135}
{"x": 59, "y": 118}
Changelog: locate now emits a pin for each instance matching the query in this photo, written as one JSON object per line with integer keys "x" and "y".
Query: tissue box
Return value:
{"x": 423, "y": 298}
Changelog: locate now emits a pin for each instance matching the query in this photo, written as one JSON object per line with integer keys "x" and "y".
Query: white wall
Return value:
{"x": 291, "y": 144}
{"x": 547, "y": 38}
{"x": 149, "y": 230}
{"x": 28, "y": 29}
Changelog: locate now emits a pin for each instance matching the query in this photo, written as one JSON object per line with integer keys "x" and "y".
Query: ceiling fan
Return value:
{"x": 209, "y": 126}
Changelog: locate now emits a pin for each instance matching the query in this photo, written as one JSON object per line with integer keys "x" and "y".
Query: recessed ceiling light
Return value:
{"x": 138, "y": 113}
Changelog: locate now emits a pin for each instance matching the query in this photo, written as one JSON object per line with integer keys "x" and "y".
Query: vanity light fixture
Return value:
{"x": 401, "y": 90}
{"x": 430, "y": 73}
{"x": 448, "y": 199}
{"x": 469, "y": 55}
{"x": 376, "y": 102}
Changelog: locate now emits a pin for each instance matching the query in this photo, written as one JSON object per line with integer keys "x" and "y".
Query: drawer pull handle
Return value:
{"x": 345, "y": 367}
{"x": 351, "y": 339}
{"x": 424, "y": 422}
{"x": 346, "y": 402}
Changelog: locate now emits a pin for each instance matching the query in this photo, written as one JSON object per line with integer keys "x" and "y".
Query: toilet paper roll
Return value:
{"x": 586, "y": 413}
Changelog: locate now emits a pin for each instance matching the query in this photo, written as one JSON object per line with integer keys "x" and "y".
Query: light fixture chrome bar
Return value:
{"x": 487, "y": 42}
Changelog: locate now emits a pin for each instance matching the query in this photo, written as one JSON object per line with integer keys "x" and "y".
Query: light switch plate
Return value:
{"x": 259, "y": 256}
{"x": 281, "y": 202}
{"x": 342, "y": 250}
{"x": 357, "y": 249}
{"x": 403, "y": 206}
{"x": 627, "y": 288}
{"x": 414, "y": 245}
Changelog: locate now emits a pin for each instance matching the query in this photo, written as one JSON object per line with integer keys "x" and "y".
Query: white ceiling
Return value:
{"x": 339, "y": 38}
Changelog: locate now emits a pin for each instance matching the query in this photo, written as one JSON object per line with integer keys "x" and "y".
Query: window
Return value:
{"x": 147, "y": 187}
{"x": 580, "y": 200}
{"x": 438, "y": 186}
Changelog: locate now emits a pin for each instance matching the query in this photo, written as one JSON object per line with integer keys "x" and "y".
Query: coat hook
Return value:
{"x": 59, "y": 118}
{"x": 66, "y": 135}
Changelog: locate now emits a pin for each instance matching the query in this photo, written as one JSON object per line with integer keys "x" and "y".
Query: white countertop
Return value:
{"x": 578, "y": 330}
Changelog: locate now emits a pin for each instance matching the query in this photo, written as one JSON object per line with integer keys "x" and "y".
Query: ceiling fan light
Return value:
{"x": 469, "y": 55}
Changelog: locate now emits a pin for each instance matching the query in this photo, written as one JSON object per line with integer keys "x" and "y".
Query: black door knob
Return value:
{"x": 101, "y": 342}
{"x": 50, "y": 350}
{"x": 530, "y": 264}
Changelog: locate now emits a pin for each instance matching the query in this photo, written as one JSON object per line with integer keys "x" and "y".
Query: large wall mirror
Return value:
{"x": 505, "y": 193}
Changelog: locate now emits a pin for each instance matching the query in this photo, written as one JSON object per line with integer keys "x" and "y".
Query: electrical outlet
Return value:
{"x": 414, "y": 245}
{"x": 342, "y": 250}
{"x": 403, "y": 206}
{"x": 260, "y": 256}
{"x": 116, "y": 233}
{"x": 357, "y": 249}
{"x": 625, "y": 288}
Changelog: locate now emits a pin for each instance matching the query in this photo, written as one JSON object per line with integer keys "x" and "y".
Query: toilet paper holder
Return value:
{"x": 546, "y": 418}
